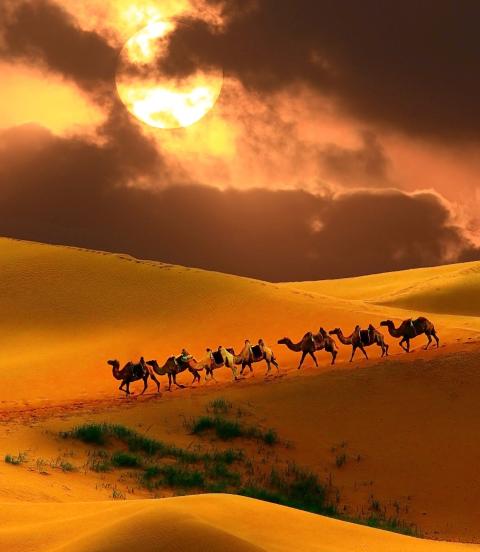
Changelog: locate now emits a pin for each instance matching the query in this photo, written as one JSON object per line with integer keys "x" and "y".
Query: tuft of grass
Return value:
{"x": 387, "y": 524}
{"x": 100, "y": 465}
{"x": 270, "y": 437}
{"x": 227, "y": 429}
{"x": 178, "y": 476}
{"x": 296, "y": 488}
{"x": 220, "y": 406}
{"x": 20, "y": 458}
{"x": 125, "y": 460}
{"x": 93, "y": 434}
{"x": 102, "y": 434}
{"x": 67, "y": 467}
{"x": 340, "y": 460}
{"x": 117, "y": 494}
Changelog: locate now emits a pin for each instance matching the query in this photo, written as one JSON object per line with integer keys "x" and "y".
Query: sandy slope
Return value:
{"x": 412, "y": 420}
{"x": 204, "y": 523}
{"x": 452, "y": 289}
{"x": 66, "y": 311}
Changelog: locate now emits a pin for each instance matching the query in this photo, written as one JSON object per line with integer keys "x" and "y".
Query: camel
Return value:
{"x": 133, "y": 372}
{"x": 310, "y": 343}
{"x": 257, "y": 353}
{"x": 409, "y": 329}
{"x": 220, "y": 358}
{"x": 362, "y": 338}
{"x": 174, "y": 366}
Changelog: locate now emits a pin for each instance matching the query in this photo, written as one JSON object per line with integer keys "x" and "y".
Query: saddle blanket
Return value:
{"x": 256, "y": 351}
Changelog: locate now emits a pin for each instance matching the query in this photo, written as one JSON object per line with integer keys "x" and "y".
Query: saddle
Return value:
{"x": 411, "y": 328}
{"x": 256, "y": 352}
{"x": 365, "y": 337}
{"x": 137, "y": 370}
{"x": 217, "y": 358}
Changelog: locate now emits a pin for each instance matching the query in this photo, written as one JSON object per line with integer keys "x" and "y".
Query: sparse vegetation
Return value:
{"x": 66, "y": 466}
{"x": 162, "y": 465}
{"x": 228, "y": 429}
{"x": 340, "y": 460}
{"x": 20, "y": 458}
{"x": 125, "y": 460}
{"x": 220, "y": 406}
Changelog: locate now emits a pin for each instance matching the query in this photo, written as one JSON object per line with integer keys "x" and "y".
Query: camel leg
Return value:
{"x": 275, "y": 363}
{"x": 435, "y": 336}
{"x": 429, "y": 337}
{"x": 314, "y": 358}
{"x": 177, "y": 384}
{"x": 403, "y": 340}
{"x": 145, "y": 384}
{"x": 334, "y": 356}
{"x": 363, "y": 351}
{"x": 354, "y": 348}
{"x": 169, "y": 382}
{"x": 387, "y": 346}
{"x": 156, "y": 381}
{"x": 408, "y": 344}
{"x": 304, "y": 354}
{"x": 269, "y": 367}
{"x": 382, "y": 346}
{"x": 122, "y": 385}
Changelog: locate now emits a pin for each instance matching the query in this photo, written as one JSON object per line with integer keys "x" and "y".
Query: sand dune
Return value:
{"x": 452, "y": 289}
{"x": 66, "y": 311}
{"x": 407, "y": 425}
{"x": 205, "y": 523}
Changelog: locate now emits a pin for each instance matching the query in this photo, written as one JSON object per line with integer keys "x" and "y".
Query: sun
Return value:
{"x": 155, "y": 99}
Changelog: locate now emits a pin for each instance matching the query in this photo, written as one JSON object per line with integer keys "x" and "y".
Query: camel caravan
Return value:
{"x": 250, "y": 354}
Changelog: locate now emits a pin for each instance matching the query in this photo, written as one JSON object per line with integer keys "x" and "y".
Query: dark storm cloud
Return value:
{"x": 411, "y": 65}
{"x": 42, "y": 33}
{"x": 73, "y": 192}
{"x": 365, "y": 165}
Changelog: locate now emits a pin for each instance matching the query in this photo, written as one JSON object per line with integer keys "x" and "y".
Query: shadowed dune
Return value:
{"x": 205, "y": 523}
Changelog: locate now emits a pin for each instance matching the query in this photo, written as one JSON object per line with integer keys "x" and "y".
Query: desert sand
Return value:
{"x": 407, "y": 425}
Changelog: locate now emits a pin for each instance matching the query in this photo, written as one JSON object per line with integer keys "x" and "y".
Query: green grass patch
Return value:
{"x": 20, "y": 458}
{"x": 220, "y": 406}
{"x": 125, "y": 460}
{"x": 104, "y": 434}
{"x": 67, "y": 466}
{"x": 228, "y": 429}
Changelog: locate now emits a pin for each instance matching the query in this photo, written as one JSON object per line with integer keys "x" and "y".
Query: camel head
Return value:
{"x": 336, "y": 331}
{"x": 283, "y": 341}
{"x": 386, "y": 323}
{"x": 113, "y": 363}
{"x": 152, "y": 363}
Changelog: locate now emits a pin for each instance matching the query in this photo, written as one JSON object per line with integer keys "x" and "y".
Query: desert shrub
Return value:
{"x": 67, "y": 467}
{"x": 220, "y": 406}
{"x": 125, "y": 460}
{"x": 20, "y": 458}
{"x": 340, "y": 460}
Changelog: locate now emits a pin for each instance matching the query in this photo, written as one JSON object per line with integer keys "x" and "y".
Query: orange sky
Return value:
{"x": 291, "y": 138}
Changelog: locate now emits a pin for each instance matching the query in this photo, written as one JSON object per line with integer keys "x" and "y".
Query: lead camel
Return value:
{"x": 409, "y": 329}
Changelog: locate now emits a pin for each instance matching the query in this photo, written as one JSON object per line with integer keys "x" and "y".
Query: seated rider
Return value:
{"x": 185, "y": 356}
